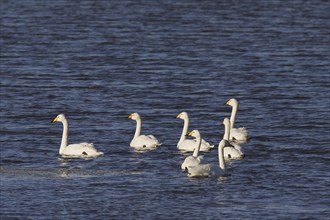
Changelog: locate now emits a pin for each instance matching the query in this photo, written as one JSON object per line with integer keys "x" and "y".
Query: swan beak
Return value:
{"x": 178, "y": 116}
{"x": 130, "y": 116}
{"x": 55, "y": 120}
{"x": 228, "y": 102}
{"x": 190, "y": 134}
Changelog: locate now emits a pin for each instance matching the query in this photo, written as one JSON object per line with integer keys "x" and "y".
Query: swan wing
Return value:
{"x": 235, "y": 145}
{"x": 187, "y": 145}
{"x": 205, "y": 170}
{"x": 200, "y": 158}
{"x": 202, "y": 170}
{"x": 232, "y": 153}
{"x": 81, "y": 150}
{"x": 205, "y": 146}
{"x": 145, "y": 142}
{"x": 190, "y": 161}
{"x": 239, "y": 135}
{"x": 190, "y": 144}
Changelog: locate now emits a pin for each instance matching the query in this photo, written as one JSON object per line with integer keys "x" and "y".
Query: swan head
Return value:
{"x": 60, "y": 117}
{"x": 182, "y": 115}
{"x": 134, "y": 116}
{"x": 232, "y": 102}
{"x": 226, "y": 122}
{"x": 194, "y": 133}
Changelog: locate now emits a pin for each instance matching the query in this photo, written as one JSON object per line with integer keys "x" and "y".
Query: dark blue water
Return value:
{"x": 99, "y": 61}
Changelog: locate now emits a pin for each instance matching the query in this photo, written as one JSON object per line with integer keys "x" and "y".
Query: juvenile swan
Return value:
{"x": 142, "y": 142}
{"x": 74, "y": 150}
{"x": 188, "y": 144}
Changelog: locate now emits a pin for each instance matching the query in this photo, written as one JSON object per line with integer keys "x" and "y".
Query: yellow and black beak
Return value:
{"x": 190, "y": 133}
{"x": 130, "y": 116}
{"x": 55, "y": 120}
{"x": 178, "y": 116}
{"x": 228, "y": 102}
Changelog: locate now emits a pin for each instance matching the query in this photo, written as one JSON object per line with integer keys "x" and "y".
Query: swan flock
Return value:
{"x": 228, "y": 147}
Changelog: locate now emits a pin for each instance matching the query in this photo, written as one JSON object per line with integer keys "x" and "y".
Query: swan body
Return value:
{"x": 232, "y": 150}
{"x": 188, "y": 144}
{"x": 239, "y": 135}
{"x": 194, "y": 159}
{"x": 142, "y": 142}
{"x": 210, "y": 170}
{"x": 74, "y": 150}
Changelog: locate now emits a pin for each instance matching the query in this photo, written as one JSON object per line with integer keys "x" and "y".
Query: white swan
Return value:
{"x": 210, "y": 170}
{"x": 232, "y": 150}
{"x": 188, "y": 144}
{"x": 142, "y": 142}
{"x": 239, "y": 135}
{"x": 74, "y": 150}
{"x": 193, "y": 160}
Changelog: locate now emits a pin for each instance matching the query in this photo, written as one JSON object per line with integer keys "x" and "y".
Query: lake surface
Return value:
{"x": 100, "y": 61}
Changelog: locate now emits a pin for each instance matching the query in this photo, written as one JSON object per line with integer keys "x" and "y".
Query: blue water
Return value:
{"x": 99, "y": 61}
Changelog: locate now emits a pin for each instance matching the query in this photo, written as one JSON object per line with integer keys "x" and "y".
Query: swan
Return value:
{"x": 232, "y": 150}
{"x": 74, "y": 150}
{"x": 239, "y": 135}
{"x": 210, "y": 170}
{"x": 188, "y": 144}
{"x": 193, "y": 160}
{"x": 142, "y": 141}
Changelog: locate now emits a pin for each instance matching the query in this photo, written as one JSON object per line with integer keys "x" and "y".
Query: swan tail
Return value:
{"x": 200, "y": 158}
{"x": 239, "y": 135}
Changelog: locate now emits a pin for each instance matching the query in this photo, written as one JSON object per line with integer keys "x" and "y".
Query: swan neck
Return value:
{"x": 226, "y": 135}
{"x": 184, "y": 131}
{"x": 198, "y": 146}
{"x": 233, "y": 115}
{"x": 65, "y": 134}
{"x": 138, "y": 128}
{"x": 221, "y": 158}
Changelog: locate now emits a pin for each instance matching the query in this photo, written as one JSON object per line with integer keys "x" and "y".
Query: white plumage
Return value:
{"x": 232, "y": 150}
{"x": 74, "y": 150}
{"x": 194, "y": 159}
{"x": 239, "y": 135}
{"x": 188, "y": 144}
{"x": 142, "y": 142}
{"x": 210, "y": 170}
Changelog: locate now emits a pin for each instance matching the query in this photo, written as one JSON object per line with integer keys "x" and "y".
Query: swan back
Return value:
{"x": 81, "y": 150}
{"x": 145, "y": 142}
